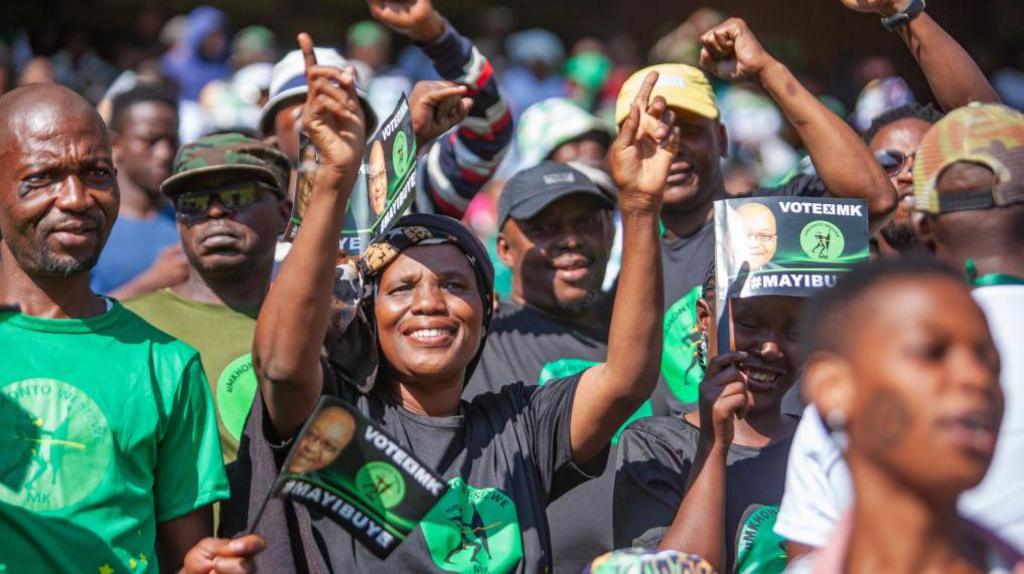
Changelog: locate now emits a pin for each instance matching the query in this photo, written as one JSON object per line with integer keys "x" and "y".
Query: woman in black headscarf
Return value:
{"x": 428, "y": 300}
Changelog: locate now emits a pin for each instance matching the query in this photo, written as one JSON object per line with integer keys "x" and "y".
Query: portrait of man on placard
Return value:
{"x": 378, "y": 171}
{"x": 328, "y": 435}
{"x": 758, "y": 235}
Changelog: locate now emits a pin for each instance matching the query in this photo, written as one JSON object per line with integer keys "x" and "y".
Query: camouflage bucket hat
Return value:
{"x": 990, "y": 135}
{"x": 225, "y": 153}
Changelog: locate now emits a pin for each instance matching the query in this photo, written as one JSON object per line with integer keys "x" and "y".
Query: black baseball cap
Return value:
{"x": 531, "y": 190}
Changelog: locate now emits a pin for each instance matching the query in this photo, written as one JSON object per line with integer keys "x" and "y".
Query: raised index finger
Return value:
{"x": 308, "y": 55}
{"x": 644, "y": 95}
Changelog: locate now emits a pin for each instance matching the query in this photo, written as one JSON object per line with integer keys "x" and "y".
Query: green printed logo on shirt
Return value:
{"x": 56, "y": 442}
{"x": 567, "y": 367}
{"x": 758, "y": 548}
{"x": 236, "y": 389}
{"x": 679, "y": 364}
{"x": 473, "y": 530}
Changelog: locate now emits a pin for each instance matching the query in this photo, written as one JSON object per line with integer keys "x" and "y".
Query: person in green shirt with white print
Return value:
{"x": 110, "y": 459}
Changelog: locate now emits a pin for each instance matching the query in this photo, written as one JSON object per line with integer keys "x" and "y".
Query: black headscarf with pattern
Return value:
{"x": 413, "y": 230}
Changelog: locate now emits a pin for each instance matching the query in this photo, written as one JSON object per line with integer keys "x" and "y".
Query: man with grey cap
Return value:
{"x": 228, "y": 191}
{"x": 457, "y": 165}
{"x": 556, "y": 235}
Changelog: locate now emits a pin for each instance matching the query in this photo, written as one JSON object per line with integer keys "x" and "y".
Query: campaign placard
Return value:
{"x": 790, "y": 246}
{"x": 389, "y": 168}
{"x": 383, "y": 192}
{"x": 349, "y": 469}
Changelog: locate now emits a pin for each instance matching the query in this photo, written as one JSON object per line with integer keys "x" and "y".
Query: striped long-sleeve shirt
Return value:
{"x": 459, "y": 163}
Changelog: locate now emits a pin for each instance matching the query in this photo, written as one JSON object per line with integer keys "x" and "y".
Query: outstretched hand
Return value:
{"x": 416, "y": 19}
{"x": 333, "y": 116}
{"x": 732, "y": 52}
{"x": 881, "y": 7}
{"x": 642, "y": 153}
{"x": 437, "y": 106}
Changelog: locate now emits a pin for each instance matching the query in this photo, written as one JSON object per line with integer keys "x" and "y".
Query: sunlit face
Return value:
{"x": 329, "y": 434}
{"x": 378, "y": 175}
{"x": 902, "y": 137}
{"x": 58, "y": 191}
{"x": 429, "y": 315}
{"x": 695, "y": 175}
{"x": 766, "y": 329}
{"x": 558, "y": 257}
{"x": 232, "y": 241}
{"x": 760, "y": 235}
{"x": 926, "y": 402}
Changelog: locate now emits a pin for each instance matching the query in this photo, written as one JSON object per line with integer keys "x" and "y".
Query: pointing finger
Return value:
{"x": 644, "y": 95}
{"x": 308, "y": 55}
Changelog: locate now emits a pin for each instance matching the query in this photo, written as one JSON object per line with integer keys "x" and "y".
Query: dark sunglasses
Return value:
{"x": 234, "y": 198}
{"x": 892, "y": 161}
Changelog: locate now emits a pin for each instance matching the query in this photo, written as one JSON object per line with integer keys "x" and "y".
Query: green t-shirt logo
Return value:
{"x": 758, "y": 548}
{"x": 57, "y": 444}
{"x": 679, "y": 365}
{"x": 236, "y": 389}
{"x": 473, "y": 530}
{"x": 822, "y": 241}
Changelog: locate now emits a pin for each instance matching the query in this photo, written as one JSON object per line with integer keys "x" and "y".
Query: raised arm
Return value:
{"x": 294, "y": 318}
{"x": 459, "y": 164}
{"x": 610, "y": 392}
{"x": 843, "y": 162}
{"x": 954, "y": 77}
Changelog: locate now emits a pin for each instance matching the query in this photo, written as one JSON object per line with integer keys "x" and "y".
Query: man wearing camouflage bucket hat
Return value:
{"x": 229, "y": 194}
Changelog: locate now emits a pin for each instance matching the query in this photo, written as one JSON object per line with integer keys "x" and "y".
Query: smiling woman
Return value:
{"x": 423, "y": 323}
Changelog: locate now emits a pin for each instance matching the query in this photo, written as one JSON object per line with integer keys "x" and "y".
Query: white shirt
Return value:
{"x": 818, "y": 485}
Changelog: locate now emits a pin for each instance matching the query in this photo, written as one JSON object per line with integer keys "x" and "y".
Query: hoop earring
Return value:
{"x": 836, "y": 421}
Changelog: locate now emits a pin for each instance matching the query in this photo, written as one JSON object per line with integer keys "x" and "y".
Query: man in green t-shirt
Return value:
{"x": 229, "y": 194}
{"x": 110, "y": 462}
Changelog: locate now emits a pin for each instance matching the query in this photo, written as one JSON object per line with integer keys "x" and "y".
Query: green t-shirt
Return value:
{"x": 107, "y": 428}
{"x": 223, "y": 337}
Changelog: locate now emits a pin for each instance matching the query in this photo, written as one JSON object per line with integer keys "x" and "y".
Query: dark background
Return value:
{"x": 819, "y": 37}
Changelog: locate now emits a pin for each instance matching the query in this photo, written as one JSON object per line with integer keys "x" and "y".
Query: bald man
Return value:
{"x": 329, "y": 434}
{"x": 761, "y": 234}
{"x": 110, "y": 448}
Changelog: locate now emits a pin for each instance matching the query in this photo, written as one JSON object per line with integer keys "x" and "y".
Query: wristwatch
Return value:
{"x": 900, "y": 19}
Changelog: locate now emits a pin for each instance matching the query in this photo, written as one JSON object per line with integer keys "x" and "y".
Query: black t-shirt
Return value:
{"x": 654, "y": 461}
{"x": 685, "y": 262}
{"x": 505, "y": 456}
{"x": 527, "y": 345}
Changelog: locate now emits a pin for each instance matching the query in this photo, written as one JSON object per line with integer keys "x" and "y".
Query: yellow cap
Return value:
{"x": 682, "y": 86}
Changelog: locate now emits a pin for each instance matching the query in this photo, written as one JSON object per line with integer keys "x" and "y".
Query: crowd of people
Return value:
{"x": 542, "y": 329}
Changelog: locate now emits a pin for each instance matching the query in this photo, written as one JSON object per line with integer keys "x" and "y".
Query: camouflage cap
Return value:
{"x": 991, "y": 135}
{"x": 224, "y": 153}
